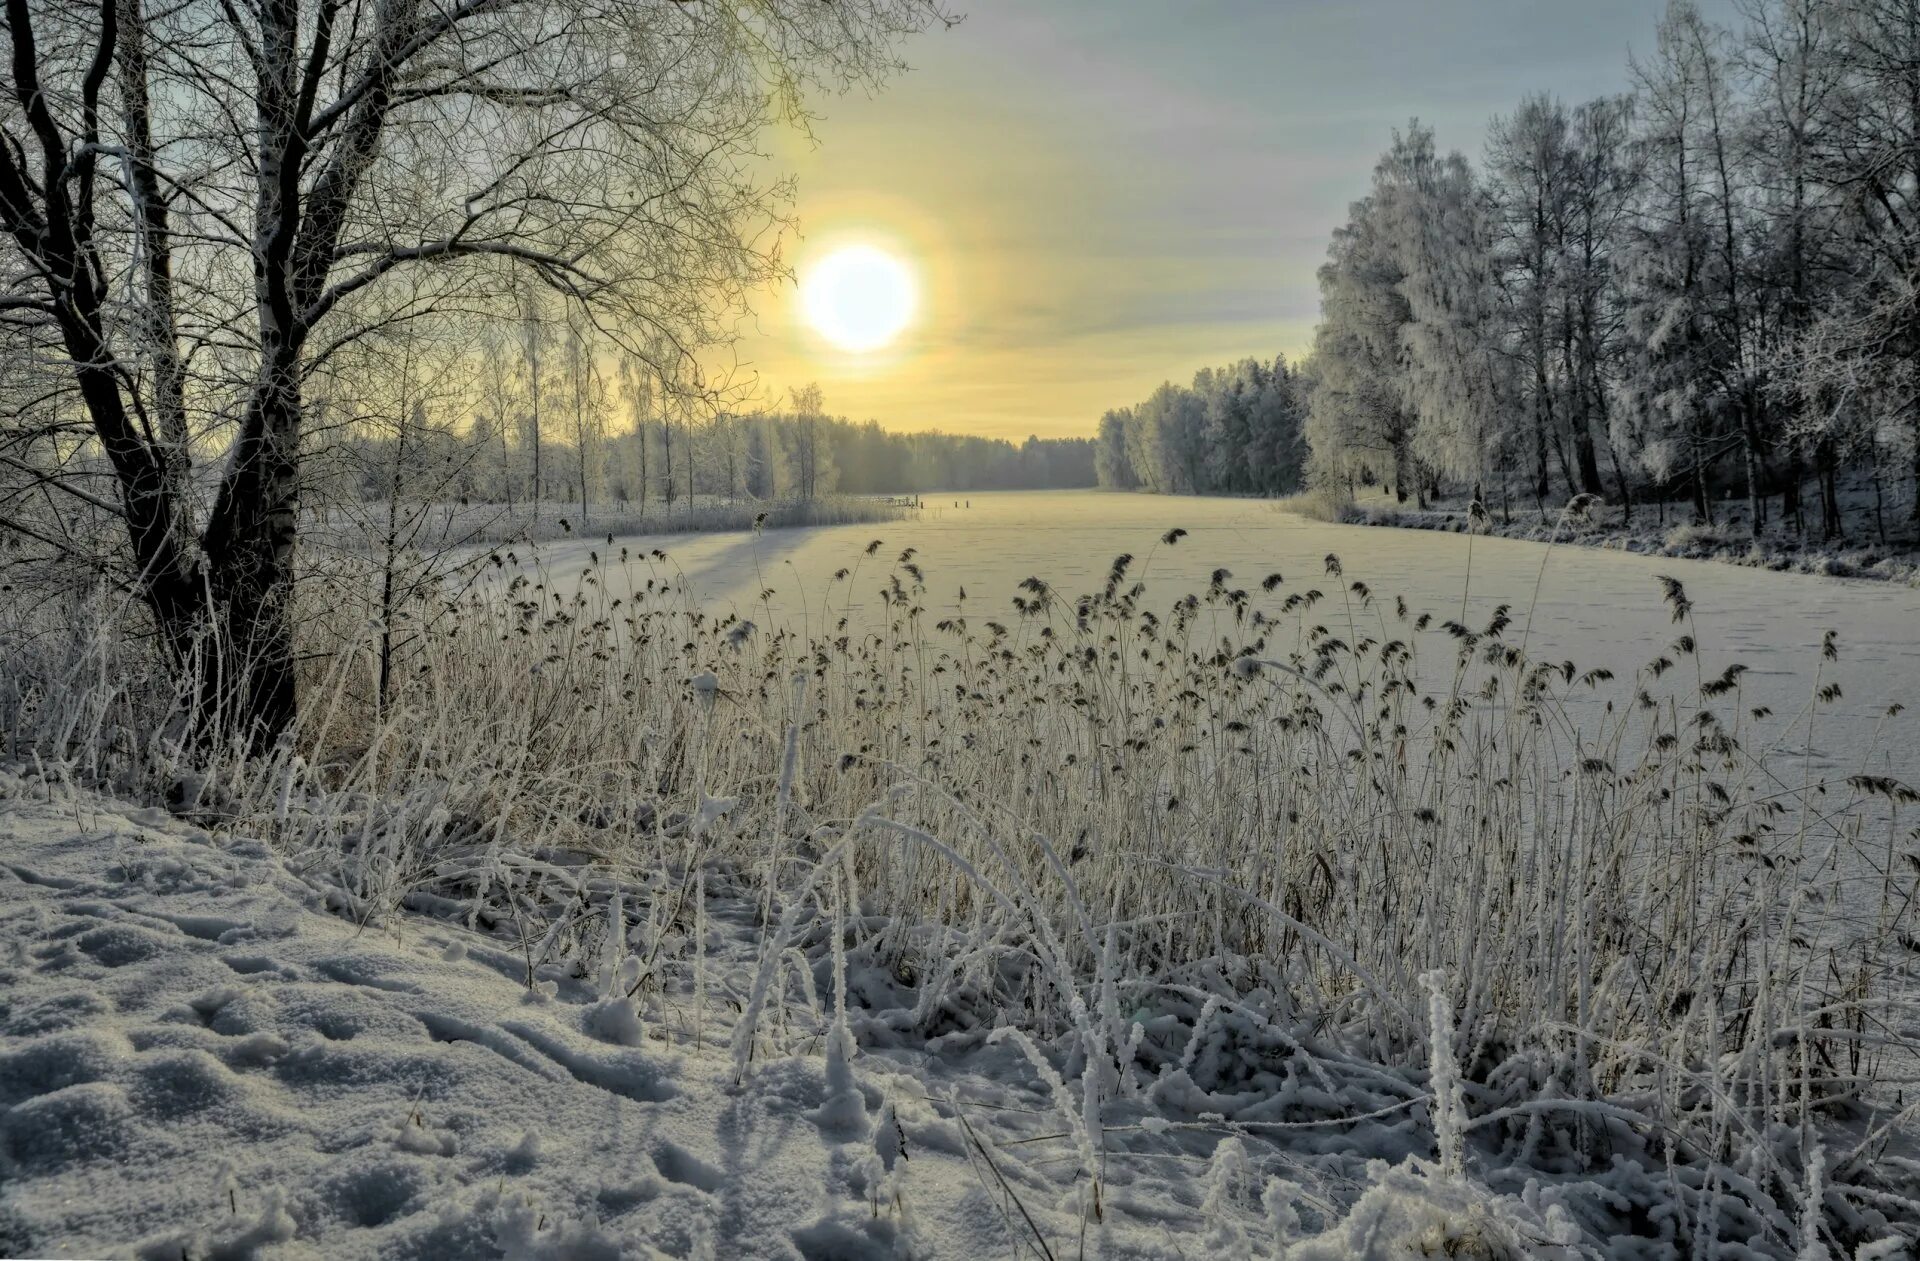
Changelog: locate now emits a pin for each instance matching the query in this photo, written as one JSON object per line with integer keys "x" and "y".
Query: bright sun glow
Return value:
{"x": 858, "y": 297}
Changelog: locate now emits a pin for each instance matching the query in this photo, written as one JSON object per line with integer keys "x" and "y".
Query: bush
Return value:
{"x": 1319, "y": 503}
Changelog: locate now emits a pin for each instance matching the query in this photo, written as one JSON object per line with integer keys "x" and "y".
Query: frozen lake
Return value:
{"x": 1597, "y": 608}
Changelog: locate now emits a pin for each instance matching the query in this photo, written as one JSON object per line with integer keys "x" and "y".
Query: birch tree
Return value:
{"x": 199, "y": 196}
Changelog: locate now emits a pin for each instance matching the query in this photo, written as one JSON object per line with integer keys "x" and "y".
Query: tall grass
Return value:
{"x": 1248, "y": 819}
{"x": 1319, "y": 503}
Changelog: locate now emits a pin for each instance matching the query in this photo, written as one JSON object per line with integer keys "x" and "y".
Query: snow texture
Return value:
{"x": 199, "y": 1059}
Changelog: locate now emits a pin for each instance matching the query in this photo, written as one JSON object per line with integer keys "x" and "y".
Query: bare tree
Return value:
{"x": 636, "y": 384}
{"x": 807, "y": 407}
{"x": 586, "y": 396}
{"x": 496, "y": 391}
{"x": 199, "y": 198}
{"x": 533, "y": 344}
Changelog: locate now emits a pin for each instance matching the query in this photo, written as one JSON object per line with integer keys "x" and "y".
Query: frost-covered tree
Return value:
{"x": 1115, "y": 470}
{"x": 806, "y": 449}
{"x": 1681, "y": 371}
{"x": 1603, "y": 185}
{"x": 1276, "y": 458}
{"x": 1358, "y": 423}
{"x": 1529, "y": 164}
{"x": 586, "y": 401}
{"x": 250, "y": 176}
{"x": 1866, "y": 150}
{"x": 1226, "y": 435}
{"x": 1453, "y": 373}
{"x": 493, "y": 426}
{"x": 1235, "y": 430}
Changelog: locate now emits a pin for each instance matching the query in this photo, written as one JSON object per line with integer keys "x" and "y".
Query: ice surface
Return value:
{"x": 1598, "y": 608}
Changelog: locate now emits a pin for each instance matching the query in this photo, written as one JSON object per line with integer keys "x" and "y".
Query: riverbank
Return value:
{"x": 1602, "y": 526}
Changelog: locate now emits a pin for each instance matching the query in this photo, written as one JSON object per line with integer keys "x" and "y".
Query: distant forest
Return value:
{"x": 575, "y": 440}
{"x": 1704, "y": 291}
{"x": 1236, "y": 431}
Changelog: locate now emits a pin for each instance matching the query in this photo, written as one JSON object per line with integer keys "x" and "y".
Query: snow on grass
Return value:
{"x": 1066, "y": 893}
{"x": 273, "y": 1080}
{"x": 199, "y": 1058}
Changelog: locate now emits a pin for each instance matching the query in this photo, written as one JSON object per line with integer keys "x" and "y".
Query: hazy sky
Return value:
{"x": 1099, "y": 195}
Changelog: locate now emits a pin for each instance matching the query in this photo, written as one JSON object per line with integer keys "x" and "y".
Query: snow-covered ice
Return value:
{"x": 1597, "y": 608}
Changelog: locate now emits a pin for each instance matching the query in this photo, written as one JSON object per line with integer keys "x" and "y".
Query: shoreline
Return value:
{"x": 1718, "y": 544}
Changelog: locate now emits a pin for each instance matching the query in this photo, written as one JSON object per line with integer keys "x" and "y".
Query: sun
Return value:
{"x": 859, "y": 297}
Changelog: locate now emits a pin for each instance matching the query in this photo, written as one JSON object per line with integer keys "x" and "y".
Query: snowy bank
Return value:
{"x": 202, "y": 1055}
{"x": 1733, "y": 544}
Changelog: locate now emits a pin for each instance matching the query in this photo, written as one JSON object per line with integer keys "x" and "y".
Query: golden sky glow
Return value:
{"x": 1094, "y": 196}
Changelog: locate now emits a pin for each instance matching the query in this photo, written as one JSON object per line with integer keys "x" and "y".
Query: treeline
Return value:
{"x": 867, "y": 459}
{"x": 1235, "y": 430}
{"x": 1704, "y": 291}
{"x": 1701, "y": 289}
{"x": 664, "y": 462}
{"x": 545, "y": 413}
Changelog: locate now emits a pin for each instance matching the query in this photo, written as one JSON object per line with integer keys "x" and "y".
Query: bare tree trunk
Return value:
{"x": 506, "y": 459}
{"x": 1566, "y": 466}
{"x": 1879, "y": 498}
{"x": 1832, "y": 525}
{"x": 389, "y": 558}
{"x": 666, "y": 458}
{"x": 577, "y": 369}
{"x": 1542, "y": 416}
{"x": 1579, "y": 419}
{"x": 533, "y": 392}
{"x": 168, "y": 404}
{"x": 247, "y": 678}
{"x": 1702, "y": 502}
{"x": 1792, "y": 493}
{"x": 1625, "y": 489}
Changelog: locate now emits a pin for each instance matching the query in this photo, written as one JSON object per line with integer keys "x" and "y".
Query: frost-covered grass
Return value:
{"x": 1317, "y": 503}
{"x": 202, "y": 1055}
{"x": 1234, "y": 856}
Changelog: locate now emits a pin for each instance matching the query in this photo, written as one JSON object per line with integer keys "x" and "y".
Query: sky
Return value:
{"x": 1095, "y": 196}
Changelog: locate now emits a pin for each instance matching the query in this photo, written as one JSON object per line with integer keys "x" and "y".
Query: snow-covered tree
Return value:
{"x": 1358, "y": 422}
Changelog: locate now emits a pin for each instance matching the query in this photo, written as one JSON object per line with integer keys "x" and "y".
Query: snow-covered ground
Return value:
{"x": 202, "y": 1055}
{"x": 562, "y": 962}
{"x": 1597, "y": 608}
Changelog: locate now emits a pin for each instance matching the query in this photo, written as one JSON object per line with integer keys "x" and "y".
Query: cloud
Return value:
{"x": 1102, "y": 194}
